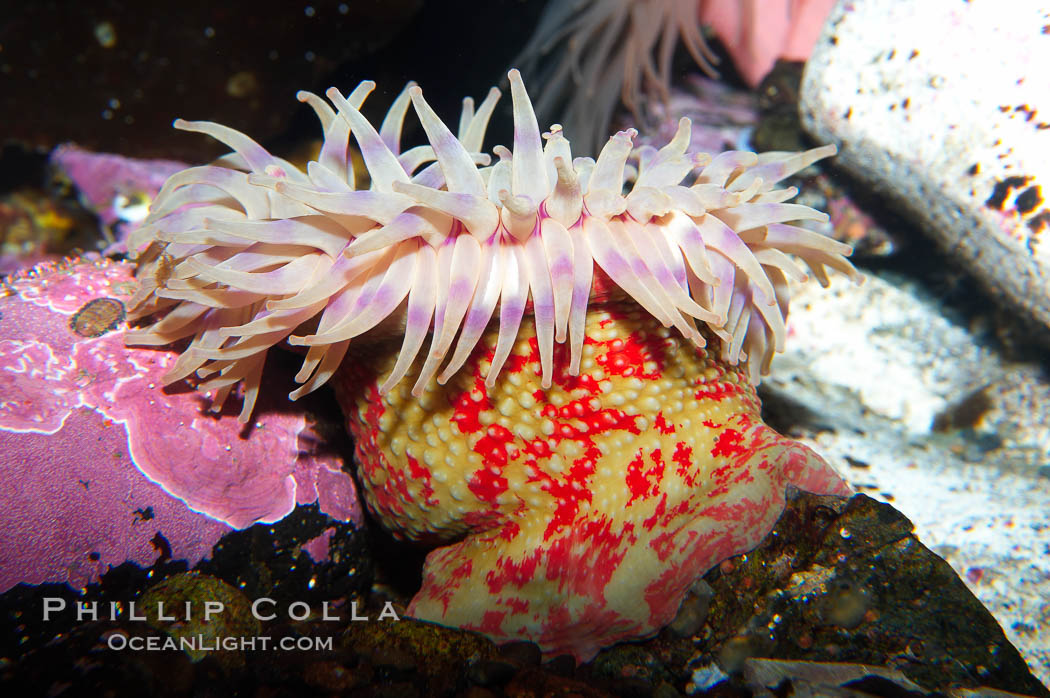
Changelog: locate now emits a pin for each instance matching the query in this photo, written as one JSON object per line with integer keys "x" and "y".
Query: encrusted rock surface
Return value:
{"x": 841, "y": 588}
{"x": 99, "y": 465}
{"x": 846, "y": 581}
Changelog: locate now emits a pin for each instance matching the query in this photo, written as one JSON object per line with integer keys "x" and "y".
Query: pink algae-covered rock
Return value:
{"x": 116, "y": 188}
{"x": 83, "y": 418}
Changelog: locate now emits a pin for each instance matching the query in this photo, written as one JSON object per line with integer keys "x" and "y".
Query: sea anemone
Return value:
{"x": 239, "y": 254}
{"x": 580, "y": 470}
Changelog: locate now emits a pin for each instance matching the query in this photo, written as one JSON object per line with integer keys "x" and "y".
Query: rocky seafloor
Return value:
{"x": 840, "y": 599}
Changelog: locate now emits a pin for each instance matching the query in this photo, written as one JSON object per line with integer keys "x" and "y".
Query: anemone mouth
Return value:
{"x": 239, "y": 254}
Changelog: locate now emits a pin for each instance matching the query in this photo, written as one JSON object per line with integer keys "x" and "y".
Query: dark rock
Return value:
{"x": 536, "y": 682}
{"x": 163, "y": 605}
{"x": 478, "y": 692}
{"x": 400, "y": 689}
{"x": 562, "y": 665}
{"x": 82, "y": 663}
{"x": 492, "y": 672}
{"x": 693, "y": 611}
{"x": 331, "y": 676}
{"x": 521, "y": 654}
{"x": 635, "y": 669}
{"x": 436, "y": 659}
{"x": 839, "y": 600}
{"x": 779, "y": 127}
{"x": 846, "y": 581}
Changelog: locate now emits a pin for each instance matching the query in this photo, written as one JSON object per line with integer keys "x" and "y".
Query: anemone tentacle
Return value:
{"x": 242, "y": 253}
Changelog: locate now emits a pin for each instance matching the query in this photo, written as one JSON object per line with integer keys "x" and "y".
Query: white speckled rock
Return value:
{"x": 945, "y": 106}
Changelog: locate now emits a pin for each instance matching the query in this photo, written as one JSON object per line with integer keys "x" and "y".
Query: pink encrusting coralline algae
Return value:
{"x": 97, "y": 461}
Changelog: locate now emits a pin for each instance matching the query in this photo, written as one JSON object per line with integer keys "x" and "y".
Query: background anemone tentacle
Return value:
{"x": 240, "y": 254}
{"x": 589, "y": 54}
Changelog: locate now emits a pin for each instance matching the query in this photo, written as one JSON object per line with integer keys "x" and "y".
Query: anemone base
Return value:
{"x": 579, "y": 515}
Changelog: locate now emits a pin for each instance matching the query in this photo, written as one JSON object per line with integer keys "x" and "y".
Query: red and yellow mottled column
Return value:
{"x": 579, "y": 515}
